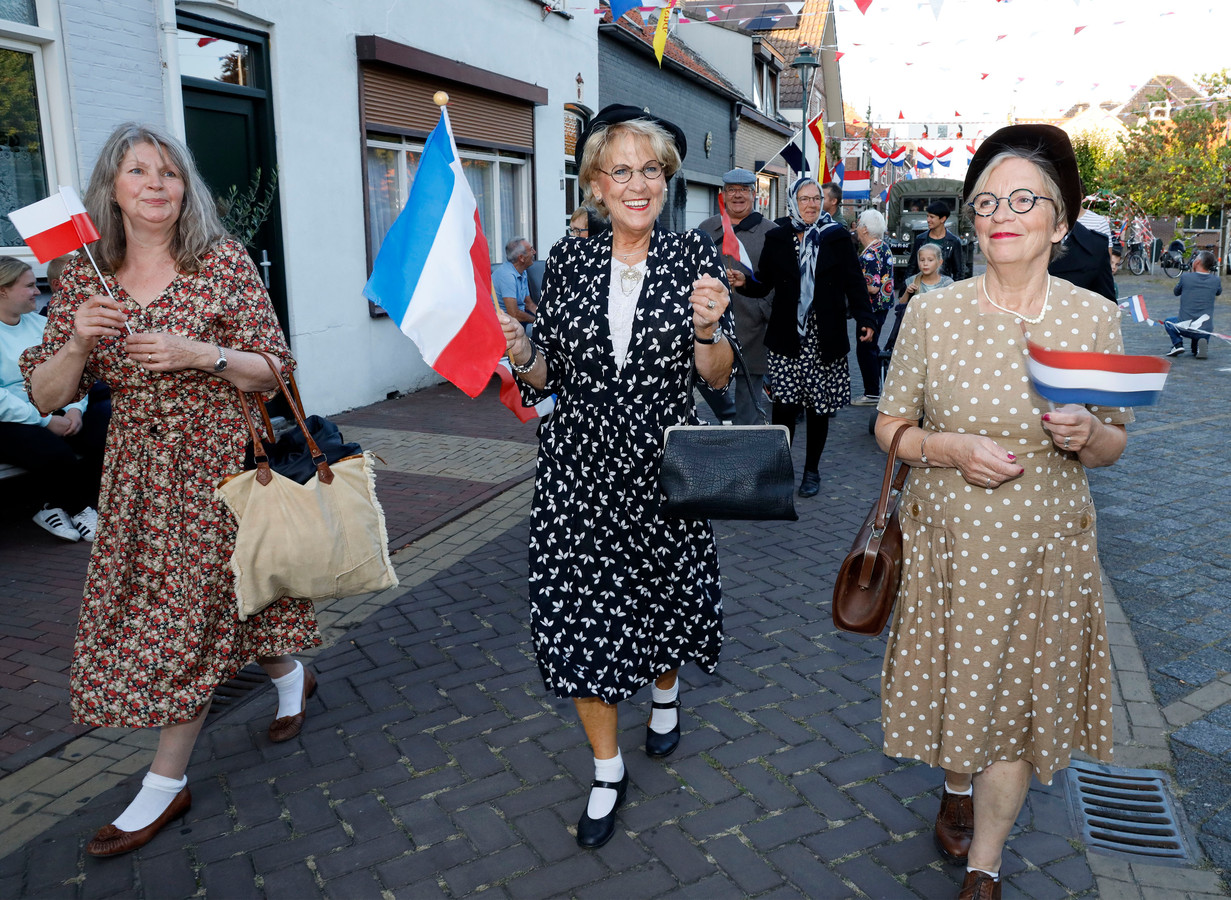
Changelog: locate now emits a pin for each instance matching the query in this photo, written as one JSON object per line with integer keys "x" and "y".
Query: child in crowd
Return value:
{"x": 928, "y": 258}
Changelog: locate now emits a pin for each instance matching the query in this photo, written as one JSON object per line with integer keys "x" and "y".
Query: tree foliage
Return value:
{"x": 1181, "y": 165}
{"x": 1096, "y": 161}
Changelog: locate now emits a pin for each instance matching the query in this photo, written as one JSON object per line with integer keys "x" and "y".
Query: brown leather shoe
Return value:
{"x": 979, "y": 886}
{"x": 955, "y": 826}
{"x": 111, "y": 841}
{"x": 287, "y": 727}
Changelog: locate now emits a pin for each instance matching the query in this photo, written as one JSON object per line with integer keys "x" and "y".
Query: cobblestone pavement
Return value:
{"x": 1164, "y": 540}
{"x": 433, "y": 763}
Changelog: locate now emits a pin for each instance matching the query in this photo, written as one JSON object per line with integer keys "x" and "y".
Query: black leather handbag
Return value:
{"x": 728, "y": 471}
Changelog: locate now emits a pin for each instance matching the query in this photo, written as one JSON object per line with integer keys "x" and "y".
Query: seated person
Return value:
{"x": 1196, "y": 290}
{"x": 47, "y": 445}
{"x": 928, "y": 259}
{"x": 513, "y": 285}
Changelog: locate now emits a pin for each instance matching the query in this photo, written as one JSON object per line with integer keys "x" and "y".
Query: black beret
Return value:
{"x": 1049, "y": 141}
{"x": 616, "y": 113}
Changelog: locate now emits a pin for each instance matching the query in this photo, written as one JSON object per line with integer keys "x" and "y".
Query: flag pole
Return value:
{"x": 441, "y": 99}
{"x": 99, "y": 272}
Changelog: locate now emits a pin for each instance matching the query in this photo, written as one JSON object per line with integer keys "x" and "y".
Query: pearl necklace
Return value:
{"x": 1027, "y": 319}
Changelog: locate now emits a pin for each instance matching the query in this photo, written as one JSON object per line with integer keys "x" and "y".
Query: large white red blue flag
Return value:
{"x": 732, "y": 247}
{"x": 55, "y": 226}
{"x": 433, "y": 272}
{"x": 1096, "y": 379}
{"x": 857, "y": 185}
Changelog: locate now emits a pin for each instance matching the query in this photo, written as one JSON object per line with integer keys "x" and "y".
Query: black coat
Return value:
{"x": 1086, "y": 262}
{"x": 839, "y": 288}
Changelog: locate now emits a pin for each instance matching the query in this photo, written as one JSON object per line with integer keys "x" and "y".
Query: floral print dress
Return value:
{"x": 618, "y": 594}
{"x": 158, "y": 629}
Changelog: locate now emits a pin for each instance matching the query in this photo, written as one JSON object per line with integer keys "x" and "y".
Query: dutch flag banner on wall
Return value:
{"x": 1096, "y": 379}
{"x": 857, "y": 184}
{"x": 433, "y": 272}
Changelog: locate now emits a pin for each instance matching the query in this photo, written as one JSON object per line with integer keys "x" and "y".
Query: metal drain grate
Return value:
{"x": 1128, "y": 811}
{"x": 230, "y": 693}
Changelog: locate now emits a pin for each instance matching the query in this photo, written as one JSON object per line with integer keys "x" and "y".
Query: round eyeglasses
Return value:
{"x": 1020, "y": 201}
{"x": 578, "y": 232}
{"x": 622, "y": 174}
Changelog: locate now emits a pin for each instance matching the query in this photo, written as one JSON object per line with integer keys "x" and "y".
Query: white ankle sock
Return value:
{"x": 949, "y": 789}
{"x": 663, "y": 720}
{"x": 603, "y": 799}
{"x": 995, "y": 875}
{"x": 290, "y": 692}
{"x": 155, "y": 796}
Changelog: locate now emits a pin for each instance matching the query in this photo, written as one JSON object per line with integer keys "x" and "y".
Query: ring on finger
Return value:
{"x": 710, "y": 304}
{"x": 1067, "y": 438}
{"x": 987, "y": 482}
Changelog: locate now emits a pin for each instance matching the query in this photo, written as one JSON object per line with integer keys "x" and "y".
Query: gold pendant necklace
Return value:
{"x": 1027, "y": 319}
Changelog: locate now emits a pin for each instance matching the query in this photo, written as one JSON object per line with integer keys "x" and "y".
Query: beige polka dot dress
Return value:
{"x": 998, "y": 649}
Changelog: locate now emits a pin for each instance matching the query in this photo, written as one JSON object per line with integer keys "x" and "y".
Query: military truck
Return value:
{"x": 906, "y": 216}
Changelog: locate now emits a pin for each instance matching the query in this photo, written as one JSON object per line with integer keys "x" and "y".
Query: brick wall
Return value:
{"x": 115, "y": 69}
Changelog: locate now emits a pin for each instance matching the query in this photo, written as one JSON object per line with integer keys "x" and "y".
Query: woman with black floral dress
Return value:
{"x": 158, "y": 629}
{"x": 621, "y": 597}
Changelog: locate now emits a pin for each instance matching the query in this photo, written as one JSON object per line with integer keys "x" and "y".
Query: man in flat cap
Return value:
{"x": 751, "y": 314}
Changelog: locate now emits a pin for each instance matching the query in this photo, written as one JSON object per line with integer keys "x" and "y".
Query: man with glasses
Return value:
{"x": 513, "y": 285}
{"x": 751, "y": 313}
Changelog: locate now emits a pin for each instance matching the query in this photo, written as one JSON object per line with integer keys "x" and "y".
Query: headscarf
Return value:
{"x": 809, "y": 246}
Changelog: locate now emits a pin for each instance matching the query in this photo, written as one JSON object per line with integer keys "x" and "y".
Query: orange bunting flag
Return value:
{"x": 660, "y": 32}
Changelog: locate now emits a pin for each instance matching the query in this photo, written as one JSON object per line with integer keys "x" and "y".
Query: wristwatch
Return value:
{"x": 221, "y": 364}
{"x": 712, "y": 339}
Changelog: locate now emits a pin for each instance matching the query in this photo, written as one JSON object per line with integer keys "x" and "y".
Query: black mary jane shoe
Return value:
{"x": 811, "y": 484}
{"x": 593, "y": 833}
{"x": 659, "y": 745}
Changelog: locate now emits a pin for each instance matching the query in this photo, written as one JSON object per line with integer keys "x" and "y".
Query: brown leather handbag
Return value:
{"x": 867, "y": 583}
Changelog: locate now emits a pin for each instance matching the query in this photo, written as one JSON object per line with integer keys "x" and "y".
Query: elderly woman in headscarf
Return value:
{"x": 814, "y": 272}
{"x": 621, "y": 597}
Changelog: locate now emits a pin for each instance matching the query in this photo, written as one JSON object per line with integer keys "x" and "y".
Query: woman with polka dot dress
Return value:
{"x": 997, "y": 665}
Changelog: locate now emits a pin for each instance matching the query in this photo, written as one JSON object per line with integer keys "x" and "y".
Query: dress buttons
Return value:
{"x": 914, "y": 509}
{"x": 1085, "y": 521}
{"x": 155, "y": 430}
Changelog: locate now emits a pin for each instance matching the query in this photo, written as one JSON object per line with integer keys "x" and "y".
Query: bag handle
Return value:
{"x": 323, "y": 473}
{"x": 880, "y": 520}
{"x": 743, "y": 370}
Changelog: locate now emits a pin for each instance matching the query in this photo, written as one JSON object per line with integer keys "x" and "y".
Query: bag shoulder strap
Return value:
{"x": 323, "y": 473}
{"x": 743, "y": 370}
{"x": 890, "y": 484}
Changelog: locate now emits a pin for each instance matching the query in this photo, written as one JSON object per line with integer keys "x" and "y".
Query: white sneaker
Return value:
{"x": 86, "y": 523}
{"x": 866, "y": 400}
{"x": 57, "y": 522}
{"x": 1176, "y": 351}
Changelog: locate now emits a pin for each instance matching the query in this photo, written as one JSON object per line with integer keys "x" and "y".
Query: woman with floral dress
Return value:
{"x": 876, "y": 261}
{"x": 621, "y": 597}
{"x": 158, "y": 629}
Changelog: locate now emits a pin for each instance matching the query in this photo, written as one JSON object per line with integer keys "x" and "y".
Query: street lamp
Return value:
{"x": 805, "y": 65}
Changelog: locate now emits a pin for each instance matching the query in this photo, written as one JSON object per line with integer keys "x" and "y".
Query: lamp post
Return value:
{"x": 805, "y": 65}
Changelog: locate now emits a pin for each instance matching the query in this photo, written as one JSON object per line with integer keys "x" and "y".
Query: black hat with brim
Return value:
{"x": 1048, "y": 140}
{"x": 616, "y": 113}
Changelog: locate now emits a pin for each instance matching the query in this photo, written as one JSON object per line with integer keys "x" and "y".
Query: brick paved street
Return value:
{"x": 433, "y": 763}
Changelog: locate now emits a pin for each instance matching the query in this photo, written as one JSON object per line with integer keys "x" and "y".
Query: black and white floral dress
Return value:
{"x": 618, "y": 595}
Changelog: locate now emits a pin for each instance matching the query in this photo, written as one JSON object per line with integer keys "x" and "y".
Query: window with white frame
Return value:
{"x": 24, "y": 162}
{"x": 765, "y": 88}
{"x": 499, "y": 180}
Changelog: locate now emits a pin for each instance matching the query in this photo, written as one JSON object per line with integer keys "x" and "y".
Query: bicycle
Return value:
{"x": 1135, "y": 258}
{"x": 1172, "y": 260}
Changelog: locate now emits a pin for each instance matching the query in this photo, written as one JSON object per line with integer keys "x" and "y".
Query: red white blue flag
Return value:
{"x": 923, "y": 159}
{"x": 55, "y": 226}
{"x": 879, "y": 156}
{"x": 857, "y": 185}
{"x": 898, "y": 157}
{"x": 1096, "y": 379}
{"x": 1136, "y": 305}
{"x": 943, "y": 157}
{"x": 433, "y": 272}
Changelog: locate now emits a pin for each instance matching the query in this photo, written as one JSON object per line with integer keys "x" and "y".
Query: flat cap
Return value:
{"x": 739, "y": 176}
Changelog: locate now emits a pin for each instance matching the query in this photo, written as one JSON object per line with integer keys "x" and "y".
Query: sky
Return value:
{"x": 901, "y": 57}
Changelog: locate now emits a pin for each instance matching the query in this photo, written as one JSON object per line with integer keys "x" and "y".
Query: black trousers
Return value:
{"x": 818, "y": 431}
{"x": 69, "y": 469}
